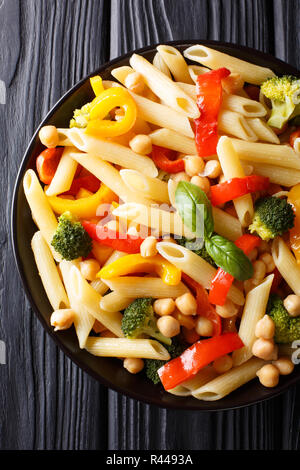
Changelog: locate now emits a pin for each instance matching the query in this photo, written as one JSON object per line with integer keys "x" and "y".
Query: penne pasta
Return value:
{"x": 263, "y": 132}
{"x": 277, "y": 174}
{"x": 195, "y": 70}
{"x": 137, "y": 287}
{"x": 254, "y": 310}
{"x": 232, "y": 168}
{"x": 123, "y": 347}
{"x": 230, "y": 381}
{"x": 186, "y": 388}
{"x": 176, "y": 63}
{"x": 233, "y": 123}
{"x": 171, "y": 140}
{"x": 245, "y": 106}
{"x": 151, "y": 188}
{"x": 214, "y": 59}
{"x": 226, "y": 225}
{"x": 164, "y": 87}
{"x": 114, "y": 301}
{"x": 286, "y": 264}
{"x": 195, "y": 267}
{"x": 161, "y": 65}
{"x": 49, "y": 273}
{"x": 64, "y": 174}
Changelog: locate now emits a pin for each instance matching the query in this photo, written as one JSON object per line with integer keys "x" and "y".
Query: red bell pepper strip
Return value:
{"x": 209, "y": 99}
{"x": 237, "y": 187}
{"x": 104, "y": 236}
{"x": 196, "y": 357}
{"x": 204, "y": 308}
{"x": 164, "y": 160}
{"x": 222, "y": 281}
{"x": 276, "y": 281}
{"x": 47, "y": 162}
{"x": 89, "y": 182}
{"x": 295, "y": 135}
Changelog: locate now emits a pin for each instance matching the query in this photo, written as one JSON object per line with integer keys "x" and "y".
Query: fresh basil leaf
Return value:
{"x": 229, "y": 257}
{"x": 195, "y": 209}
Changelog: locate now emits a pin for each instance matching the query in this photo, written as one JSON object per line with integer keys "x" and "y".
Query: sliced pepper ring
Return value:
{"x": 135, "y": 263}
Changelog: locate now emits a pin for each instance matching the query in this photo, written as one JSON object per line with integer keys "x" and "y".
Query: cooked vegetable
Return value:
{"x": 164, "y": 160}
{"x": 237, "y": 187}
{"x": 70, "y": 238}
{"x": 152, "y": 365}
{"x": 284, "y": 93}
{"x": 287, "y": 329}
{"x": 47, "y": 163}
{"x": 139, "y": 319}
{"x": 81, "y": 116}
{"x": 272, "y": 217}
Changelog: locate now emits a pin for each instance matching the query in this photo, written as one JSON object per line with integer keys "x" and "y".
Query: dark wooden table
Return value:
{"x": 47, "y": 402}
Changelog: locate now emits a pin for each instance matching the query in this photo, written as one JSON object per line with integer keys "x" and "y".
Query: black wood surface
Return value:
{"x": 46, "y": 402}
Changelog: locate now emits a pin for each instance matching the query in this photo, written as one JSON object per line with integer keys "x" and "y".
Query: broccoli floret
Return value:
{"x": 200, "y": 251}
{"x": 152, "y": 365}
{"x": 70, "y": 238}
{"x": 287, "y": 329}
{"x": 139, "y": 319}
{"x": 81, "y": 116}
{"x": 272, "y": 217}
{"x": 284, "y": 93}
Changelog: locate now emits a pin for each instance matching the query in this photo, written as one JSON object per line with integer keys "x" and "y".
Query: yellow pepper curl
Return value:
{"x": 130, "y": 264}
{"x": 85, "y": 207}
{"x": 103, "y": 104}
{"x": 97, "y": 85}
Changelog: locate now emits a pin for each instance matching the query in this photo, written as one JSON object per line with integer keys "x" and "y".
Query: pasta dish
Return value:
{"x": 168, "y": 216}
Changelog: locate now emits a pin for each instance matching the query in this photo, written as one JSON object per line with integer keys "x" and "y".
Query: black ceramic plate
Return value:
{"x": 110, "y": 371}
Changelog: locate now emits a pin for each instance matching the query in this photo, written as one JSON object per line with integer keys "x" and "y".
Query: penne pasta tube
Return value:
{"x": 278, "y": 155}
{"x": 171, "y": 140}
{"x": 232, "y": 123}
{"x": 164, "y": 87}
{"x": 214, "y": 59}
{"x": 186, "y": 388}
{"x": 232, "y": 168}
{"x": 160, "y": 64}
{"x": 160, "y": 221}
{"x": 64, "y": 174}
{"x": 286, "y": 264}
{"x": 195, "y": 267}
{"x": 99, "y": 285}
{"x": 41, "y": 210}
{"x": 254, "y": 310}
{"x": 230, "y": 381}
{"x": 226, "y": 225}
{"x": 277, "y": 174}
{"x": 123, "y": 347}
{"x": 195, "y": 70}
{"x": 175, "y": 62}
{"x": 151, "y": 188}
{"x": 297, "y": 145}
{"x": 49, "y": 273}
{"x": 245, "y": 106}
{"x": 114, "y": 301}
{"x": 188, "y": 89}
{"x": 112, "y": 152}
{"x": 263, "y": 132}
{"x": 136, "y": 287}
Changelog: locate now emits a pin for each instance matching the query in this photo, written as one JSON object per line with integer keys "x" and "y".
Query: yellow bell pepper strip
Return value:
{"x": 294, "y": 200}
{"x": 85, "y": 207}
{"x": 107, "y": 100}
{"x": 135, "y": 263}
{"x": 97, "y": 85}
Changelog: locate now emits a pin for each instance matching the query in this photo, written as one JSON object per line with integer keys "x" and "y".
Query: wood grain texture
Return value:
{"x": 46, "y": 402}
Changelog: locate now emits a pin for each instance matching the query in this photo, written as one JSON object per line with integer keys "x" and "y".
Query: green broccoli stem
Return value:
{"x": 157, "y": 335}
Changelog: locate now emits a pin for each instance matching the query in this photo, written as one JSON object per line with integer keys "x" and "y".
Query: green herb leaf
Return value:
{"x": 195, "y": 209}
{"x": 229, "y": 257}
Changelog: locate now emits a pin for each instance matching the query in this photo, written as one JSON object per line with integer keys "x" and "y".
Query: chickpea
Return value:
{"x": 141, "y": 144}
{"x": 269, "y": 262}
{"x": 259, "y": 272}
{"x": 62, "y": 319}
{"x": 248, "y": 285}
{"x": 135, "y": 83}
{"x": 49, "y": 136}
{"x": 253, "y": 254}
{"x": 133, "y": 364}
{"x": 187, "y": 304}
{"x": 292, "y": 304}
{"x": 222, "y": 364}
{"x": 202, "y": 182}
{"x": 168, "y": 326}
{"x": 265, "y": 349}
{"x": 284, "y": 365}
{"x": 265, "y": 328}
{"x": 164, "y": 307}
{"x": 204, "y": 327}
{"x": 229, "y": 309}
{"x": 213, "y": 169}
{"x": 89, "y": 269}
{"x": 268, "y": 375}
{"x": 193, "y": 165}
{"x": 181, "y": 176}
{"x": 148, "y": 247}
